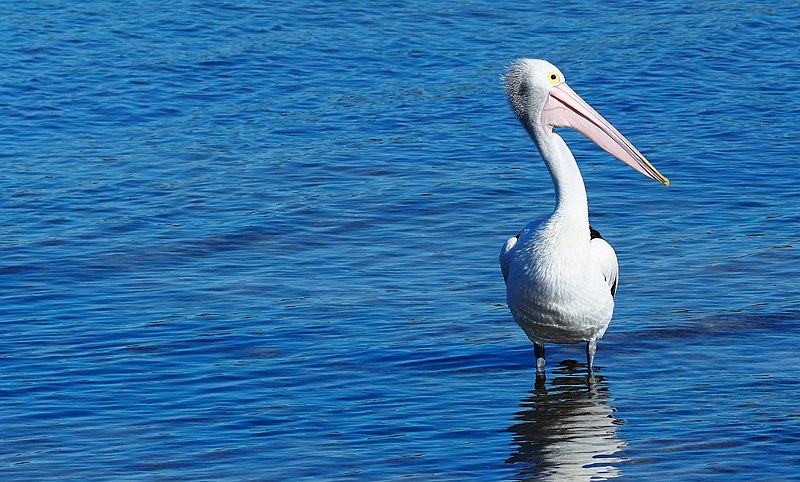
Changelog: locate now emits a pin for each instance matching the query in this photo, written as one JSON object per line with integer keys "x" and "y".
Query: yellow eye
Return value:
{"x": 554, "y": 78}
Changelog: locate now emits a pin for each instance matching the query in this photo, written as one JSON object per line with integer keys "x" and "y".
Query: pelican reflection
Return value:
{"x": 566, "y": 429}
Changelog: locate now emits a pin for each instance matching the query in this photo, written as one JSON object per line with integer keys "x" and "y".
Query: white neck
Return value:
{"x": 572, "y": 208}
{"x": 571, "y": 202}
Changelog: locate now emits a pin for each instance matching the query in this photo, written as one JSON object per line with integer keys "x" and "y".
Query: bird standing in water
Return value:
{"x": 561, "y": 275}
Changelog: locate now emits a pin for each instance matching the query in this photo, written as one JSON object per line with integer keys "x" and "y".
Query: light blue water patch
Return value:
{"x": 259, "y": 242}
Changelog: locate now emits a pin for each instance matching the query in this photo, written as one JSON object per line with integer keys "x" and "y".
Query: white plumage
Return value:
{"x": 561, "y": 276}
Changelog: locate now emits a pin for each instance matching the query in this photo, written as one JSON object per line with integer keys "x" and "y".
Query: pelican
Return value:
{"x": 561, "y": 275}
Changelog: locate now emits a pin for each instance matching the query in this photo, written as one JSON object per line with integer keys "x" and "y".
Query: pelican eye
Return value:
{"x": 554, "y": 78}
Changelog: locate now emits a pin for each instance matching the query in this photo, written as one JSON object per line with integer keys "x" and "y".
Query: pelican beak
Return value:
{"x": 565, "y": 108}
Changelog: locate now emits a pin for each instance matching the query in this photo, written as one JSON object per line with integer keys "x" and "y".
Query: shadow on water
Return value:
{"x": 566, "y": 430}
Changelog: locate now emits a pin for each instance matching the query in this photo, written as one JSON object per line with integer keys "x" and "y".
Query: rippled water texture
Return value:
{"x": 259, "y": 242}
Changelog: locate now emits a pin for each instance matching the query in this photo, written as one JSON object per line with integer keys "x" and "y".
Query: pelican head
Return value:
{"x": 542, "y": 100}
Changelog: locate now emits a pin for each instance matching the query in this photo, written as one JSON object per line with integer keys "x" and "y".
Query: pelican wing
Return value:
{"x": 605, "y": 258}
{"x": 505, "y": 255}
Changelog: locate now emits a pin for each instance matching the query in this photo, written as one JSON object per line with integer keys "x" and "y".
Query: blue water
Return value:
{"x": 259, "y": 242}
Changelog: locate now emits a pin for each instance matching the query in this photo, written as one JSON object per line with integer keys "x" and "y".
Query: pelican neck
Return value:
{"x": 571, "y": 202}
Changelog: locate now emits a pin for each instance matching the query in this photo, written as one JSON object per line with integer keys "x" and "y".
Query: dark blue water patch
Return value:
{"x": 736, "y": 387}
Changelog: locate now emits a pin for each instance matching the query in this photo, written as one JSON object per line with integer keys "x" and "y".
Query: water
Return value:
{"x": 259, "y": 242}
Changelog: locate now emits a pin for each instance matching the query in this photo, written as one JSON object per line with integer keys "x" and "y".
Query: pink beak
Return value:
{"x": 565, "y": 108}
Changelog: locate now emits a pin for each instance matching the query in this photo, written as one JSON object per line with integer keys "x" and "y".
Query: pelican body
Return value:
{"x": 561, "y": 275}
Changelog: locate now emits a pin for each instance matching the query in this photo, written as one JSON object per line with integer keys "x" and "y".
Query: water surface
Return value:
{"x": 259, "y": 242}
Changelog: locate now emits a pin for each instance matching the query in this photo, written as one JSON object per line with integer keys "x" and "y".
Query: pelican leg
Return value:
{"x": 591, "y": 349}
{"x": 538, "y": 351}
